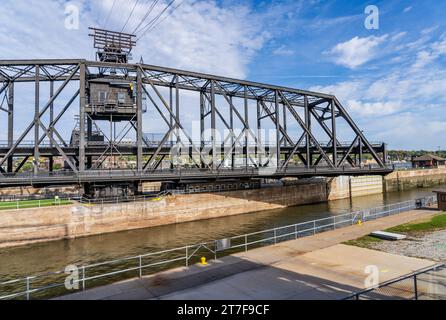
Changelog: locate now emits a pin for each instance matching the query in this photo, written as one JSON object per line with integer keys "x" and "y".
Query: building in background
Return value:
{"x": 429, "y": 161}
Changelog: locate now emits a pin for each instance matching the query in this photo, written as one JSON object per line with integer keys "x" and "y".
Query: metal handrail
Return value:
{"x": 36, "y": 203}
{"x": 212, "y": 246}
{"x": 414, "y": 275}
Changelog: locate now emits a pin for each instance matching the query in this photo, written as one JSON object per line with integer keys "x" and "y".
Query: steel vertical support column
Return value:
{"x": 89, "y": 138}
{"x": 10, "y": 123}
{"x": 333, "y": 129}
{"x": 360, "y": 151}
{"x": 247, "y": 123}
{"x": 82, "y": 103}
{"x": 112, "y": 142}
{"x": 259, "y": 133}
{"x": 36, "y": 119}
{"x": 307, "y": 139}
{"x": 171, "y": 124}
{"x": 177, "y": 106}
{"x": 277, "y": 128}
{"x": 385, "y": 153}
{"x": 231, "y": 127}
{"x": 51, "y": 110}
{"x": 51, "y": 159}
{"x": 139, "y": 154}
{"x": 285, "y": 125}
{"x": 213, "y": 127}
{"x": 202, "y": 116}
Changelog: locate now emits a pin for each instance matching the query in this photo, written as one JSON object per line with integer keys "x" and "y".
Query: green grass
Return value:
{"x": 25, "y": 204}
{"x": 363, "y": 242}
{"x": 434, "y": 224}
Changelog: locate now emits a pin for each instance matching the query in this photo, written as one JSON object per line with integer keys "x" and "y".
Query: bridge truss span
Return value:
{"x": 151, "y": 123}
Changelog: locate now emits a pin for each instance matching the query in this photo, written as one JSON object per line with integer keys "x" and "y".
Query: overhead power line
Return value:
{"x": 162, "y": 20}
{"x": 109, "y": 14}
{"x": 147, "y": 27}
{"x": 154, "y": 2}
{"x": 131, "y": 13}
{"x": 151, "y": 22}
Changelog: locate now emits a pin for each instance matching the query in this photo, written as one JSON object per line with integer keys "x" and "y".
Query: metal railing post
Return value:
{"x": 275, "y": 236}
{"x": 27, "y": 288}
{"x": 215, "y": 250}
{"x": 314, "y": 227}
{"x": 415, "y": 286}
{"x": 83, "y": 278}
{"x": 246, "y": 243}
{"x": 295, "y": 232}
{"x": 140, "y": 267}
{"x": 187, "y": 256}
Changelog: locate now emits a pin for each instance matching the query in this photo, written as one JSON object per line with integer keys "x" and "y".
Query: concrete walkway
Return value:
{"x": 315, "y": 267}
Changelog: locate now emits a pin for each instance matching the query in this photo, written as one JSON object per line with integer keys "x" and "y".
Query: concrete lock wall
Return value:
{"x": 19, "y": 227}
{"x": 346, "y": 187}
{"x": 366, "y": 185}
{"x": 410, "y": 179}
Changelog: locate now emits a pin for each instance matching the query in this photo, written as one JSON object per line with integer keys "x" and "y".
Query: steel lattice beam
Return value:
{"x": 278, "y": 105}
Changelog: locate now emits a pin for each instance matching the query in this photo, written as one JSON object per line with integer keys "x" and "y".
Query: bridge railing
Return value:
{"x": 185, "y": 172}
{"x": 155, "y": 143}
{"x": 54, "y": 284}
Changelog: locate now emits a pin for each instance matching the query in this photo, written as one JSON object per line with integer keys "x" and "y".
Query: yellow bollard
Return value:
{"x": 203, "y": 261}
{"x": 359, "y": 223}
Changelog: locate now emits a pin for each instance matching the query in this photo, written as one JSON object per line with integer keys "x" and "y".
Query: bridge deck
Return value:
{"x": 181, "y": 175}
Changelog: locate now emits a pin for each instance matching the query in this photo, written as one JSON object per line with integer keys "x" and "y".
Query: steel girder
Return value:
{"x": 281, "y": 106}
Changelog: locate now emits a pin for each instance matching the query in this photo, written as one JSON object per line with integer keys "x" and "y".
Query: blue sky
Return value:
{"x": 392, "y": 80}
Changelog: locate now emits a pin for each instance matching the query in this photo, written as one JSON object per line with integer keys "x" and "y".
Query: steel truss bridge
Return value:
{"x": 297, "y": 117}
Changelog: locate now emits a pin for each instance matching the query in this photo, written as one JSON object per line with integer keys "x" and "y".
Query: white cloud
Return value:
{"x": 399, "y": 36}
{"x": 407, "y": 9}
{"x": 429, "y": 30}
{"x": 283, "y": 51}
{"x": 433, "y": 52}
{"x": 201, "y": 35}
{"x": 405, "y": 107}
{"x": 373, "y": 108}
{"x": 356, "y": 51}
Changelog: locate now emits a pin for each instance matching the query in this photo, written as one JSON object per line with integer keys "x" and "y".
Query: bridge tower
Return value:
{"x": 111, "y": 98}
